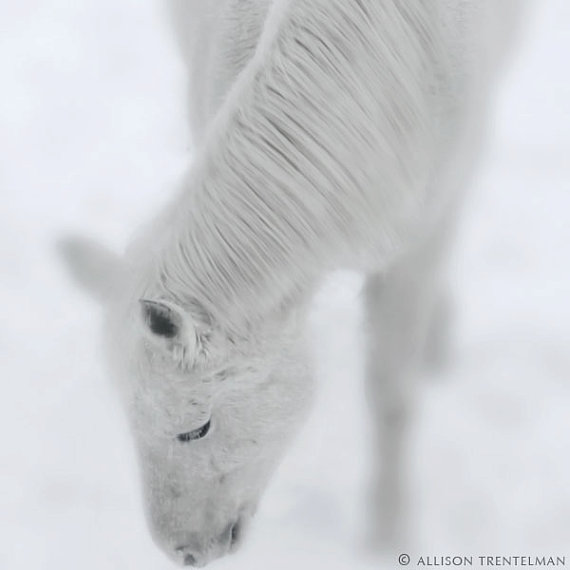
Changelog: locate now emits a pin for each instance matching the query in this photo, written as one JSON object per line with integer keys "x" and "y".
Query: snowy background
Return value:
{"x": 92, "y": 139}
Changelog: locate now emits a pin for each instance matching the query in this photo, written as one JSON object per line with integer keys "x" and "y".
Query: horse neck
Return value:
{"x": 313, "y": 155}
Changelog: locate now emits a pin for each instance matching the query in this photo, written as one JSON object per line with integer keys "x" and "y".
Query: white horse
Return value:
{"x": 330, "y": 133}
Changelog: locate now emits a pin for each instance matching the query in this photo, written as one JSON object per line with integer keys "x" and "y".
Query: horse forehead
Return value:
{"x": 180, "y": 389}
{"x": 169, "y": 395}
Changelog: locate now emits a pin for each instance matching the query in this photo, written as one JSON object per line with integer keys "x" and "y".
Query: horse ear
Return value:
{"x": 166, "y": 324}
{"x": 93, "y": 267}
{"x": 162, "y": 320}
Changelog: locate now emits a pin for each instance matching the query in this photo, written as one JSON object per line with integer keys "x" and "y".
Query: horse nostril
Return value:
{"x": 235, "y": 533}
{"x": 189, "y": 560}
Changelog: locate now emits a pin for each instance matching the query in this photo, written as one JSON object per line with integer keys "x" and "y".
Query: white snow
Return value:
{"x": 92, "y": 139}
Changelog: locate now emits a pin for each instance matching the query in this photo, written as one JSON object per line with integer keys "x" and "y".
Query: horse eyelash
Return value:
{"x": 193, "y": 435}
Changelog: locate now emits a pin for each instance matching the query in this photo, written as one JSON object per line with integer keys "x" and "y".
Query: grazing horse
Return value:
{"x": 329, "y": 134}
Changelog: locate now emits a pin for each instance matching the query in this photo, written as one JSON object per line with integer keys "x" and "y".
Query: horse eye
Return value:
{"x": 198, "y": 433}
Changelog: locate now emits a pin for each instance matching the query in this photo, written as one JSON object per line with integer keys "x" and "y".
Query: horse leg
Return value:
{"x": 402, "y": 306}
{"x": 437, "y": 347}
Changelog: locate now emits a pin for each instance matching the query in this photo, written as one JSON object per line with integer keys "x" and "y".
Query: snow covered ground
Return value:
{"x": 91, "y": 140}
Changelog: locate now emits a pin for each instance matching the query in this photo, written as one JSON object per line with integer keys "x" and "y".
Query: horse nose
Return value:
{"x": 191, "y": 556}
{"x": 196, "y": 559}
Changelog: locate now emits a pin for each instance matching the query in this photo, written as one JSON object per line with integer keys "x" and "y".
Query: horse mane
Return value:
{"x": 319, "y": 154}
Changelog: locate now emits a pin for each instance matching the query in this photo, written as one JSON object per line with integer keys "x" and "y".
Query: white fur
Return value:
{"x": 330, "y": 133}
